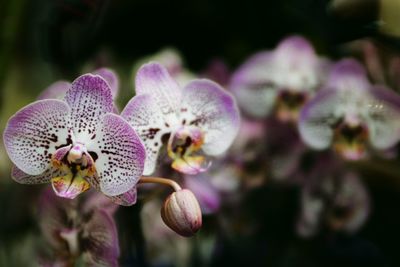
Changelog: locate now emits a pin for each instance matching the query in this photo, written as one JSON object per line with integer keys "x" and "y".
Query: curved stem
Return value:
{"x": 159, "y": 180}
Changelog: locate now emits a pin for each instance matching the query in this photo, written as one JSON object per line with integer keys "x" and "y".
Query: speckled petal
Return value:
{"x": 145, "y": 117}
{"x": 206, "y": 105}
{"x": 317, "y": 118}
{"x": 154, "y": 79}
{"x": 56, "y": 90}
{"x": 120, "y": 153}
{"x": 89, "y": 98}
{"x": 111, "y": 78}
{"x": 126, "y": 199}
{"x": 101, "y": 240}
{"x": 23, "y": 178}
{"x": 383, "y": 118}
{"x": 33, "y": 134}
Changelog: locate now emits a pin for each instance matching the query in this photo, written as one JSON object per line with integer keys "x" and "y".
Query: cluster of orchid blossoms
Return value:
{"x": 333, "y": 104}
{"x": 291, "y": 99}
{"x": 74, "y": 138}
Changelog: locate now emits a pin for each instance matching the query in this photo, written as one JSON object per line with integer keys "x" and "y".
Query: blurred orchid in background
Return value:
{"x": 59, "y": 89}
{"x": 201, "y": 117}
{"x": 76, "y": 143}
{"x": 338, "y": 202}
{"x": 279, "y": 81}
{"x": 172, "y": 60}
{"x": 80, "y": 230}
{"x": 350, "y": 114}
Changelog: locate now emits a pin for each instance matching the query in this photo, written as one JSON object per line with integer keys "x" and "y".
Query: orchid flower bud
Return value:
{"x": 181, "y": 212}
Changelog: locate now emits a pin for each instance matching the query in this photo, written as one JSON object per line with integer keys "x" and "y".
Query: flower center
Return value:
{"x": 75, "y": 166}
{"x": 183, "y": 147}
{"x": 289, "y": 104}
{"x": 350, "y": 140}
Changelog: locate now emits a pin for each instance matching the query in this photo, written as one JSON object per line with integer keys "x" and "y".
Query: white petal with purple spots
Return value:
{"x": 154, "y": 79}
{"x": 35, "y": 132}
{"x": 205, "y": 104}
{"x": 145, "y": 117}
{"x": 111, "y": 78}
{"x": 89, "y": 98}
{"x": 45, "y": 177}
{"x": 120, "y": 153}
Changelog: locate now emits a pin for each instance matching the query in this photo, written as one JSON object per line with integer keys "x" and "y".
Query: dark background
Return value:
{"x": 66, "y": 34}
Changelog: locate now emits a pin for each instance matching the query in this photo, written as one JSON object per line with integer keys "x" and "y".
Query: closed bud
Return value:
{"x": 181, "y": 212}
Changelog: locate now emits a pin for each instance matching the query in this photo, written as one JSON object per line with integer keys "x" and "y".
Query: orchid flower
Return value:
{"x": 76, "y": 143}
{"x": 200, "y": 117}
{"x": 79, "y": 230}
{"x": 350, "y": 114}
{"x": 280, "y": 80}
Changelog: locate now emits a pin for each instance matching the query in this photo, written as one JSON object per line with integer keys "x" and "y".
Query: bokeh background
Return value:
{"x": 43, "y": 41}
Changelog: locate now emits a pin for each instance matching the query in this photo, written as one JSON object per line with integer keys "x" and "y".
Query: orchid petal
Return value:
{"x": 89, "y": 98}
{"x": 111, "y": 78}
{"x": 145, "y": 117}
{"x": 383, "y": 118}
{"x": 206, "y": 194}
{"x": 154, "y": 79}
{"x": 206, "y": 105}
{"x": 33, "y": 134}
{"x": 53, "y": 214}
{"x": 254, "y": 86}
{"x": 295, "y": 55}
{"x": 20, "y": 177}
{"x": 348, "y": 74}
{"x": 126, "y": 199}
{"x": 317, "y": 118}
{"x": 101, "y": 240}
{"x": 56, "y": 90}
{"x": 121, "y": 155}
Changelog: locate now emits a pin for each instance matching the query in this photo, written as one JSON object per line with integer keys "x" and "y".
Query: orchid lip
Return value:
{"x": 77, "y": 164}
{"x": 350, "y": 140}
{"x": 183, "y": 147}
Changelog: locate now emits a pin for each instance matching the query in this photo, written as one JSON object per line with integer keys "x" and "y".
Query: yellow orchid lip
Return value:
{"x": 73, "y": 182}
{"x": 191, "y": 165}
{"x": 69, "y": 186}
{"x": 350, "y": 141}
{"x": 183, "y": 148}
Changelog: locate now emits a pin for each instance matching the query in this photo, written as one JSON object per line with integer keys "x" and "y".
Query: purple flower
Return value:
{"x": 79, "y": 230}
{"x": 200, "y": 117}
{"x": 350, "y": 113}
{"x": 280, "y": 80}
{"x": 76, "y": 143}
